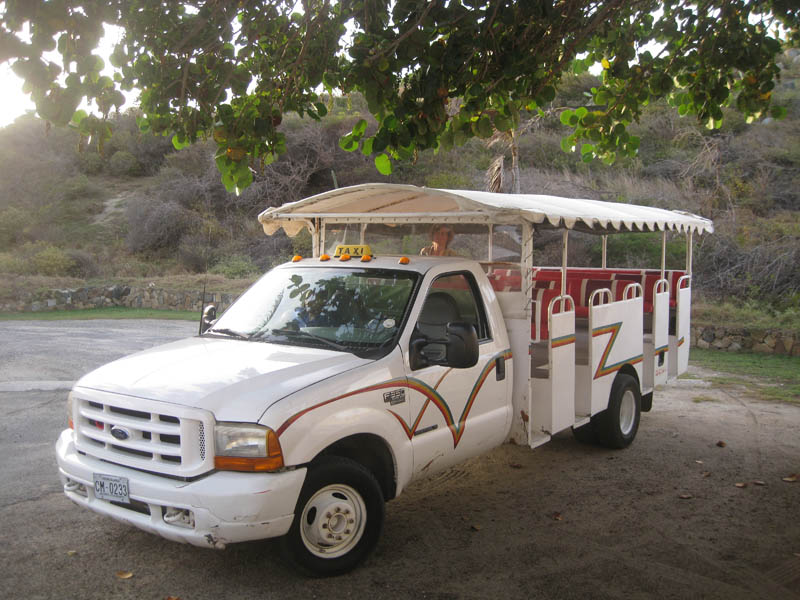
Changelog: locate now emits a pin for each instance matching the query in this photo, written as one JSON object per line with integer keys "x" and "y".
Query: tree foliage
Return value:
{"x": 434, "y": 73}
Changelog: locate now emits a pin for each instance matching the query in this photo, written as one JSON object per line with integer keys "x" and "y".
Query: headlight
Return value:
{"x": 244, "y": 447}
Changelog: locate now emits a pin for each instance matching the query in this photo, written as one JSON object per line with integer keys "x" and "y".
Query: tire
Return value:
{"x": 338, "y": 518}
{"x": 617, "y": 425}
{"x": 585, "y": 434}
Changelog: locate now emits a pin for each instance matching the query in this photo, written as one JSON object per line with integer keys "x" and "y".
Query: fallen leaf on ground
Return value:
{"x": 699, "y": 462}
{"x": 557, "y": 516}
{"x": 172, "y": 598}
{"x": 124, "y": 574}
{"x": 759, "y": 482}
{"x": 515, "y": 465}
{"x": 721, "y": 444}
{"x": 476, "y": 528}
{"x": 791, "y": 478}
{"x": 685, "y": 496}
{"x": 740, "y": 485}
{"x": 706, "y": 473}
{"x": 71, "y": 552}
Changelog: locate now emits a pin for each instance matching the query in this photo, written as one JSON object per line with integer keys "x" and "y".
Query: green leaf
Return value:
{"x": 359, "y": 129}
{"x": 347, "y": 143}
{"x": 79, "y": 116}
{"x": 502, "y": 123}
{"x": 483, "y": 127}
{"x": 180, "y": 142}
{"x": 548, "y": 93}
{"x": 383, "y": 164}
{"x": 565, "y": 116}
{"x": 366, "y": 147}
{"x": 567, "y": 144}
{"x": 587, "y": 149}
{"x": 778, "y": 112}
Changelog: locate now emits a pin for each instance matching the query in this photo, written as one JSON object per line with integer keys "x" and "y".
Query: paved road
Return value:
{"x": 565, "y": 521}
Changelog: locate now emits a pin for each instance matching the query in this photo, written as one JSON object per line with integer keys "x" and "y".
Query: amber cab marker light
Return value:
{"x": 297, "y": 258}
{"x": 344, "y": 257}
{"x": 324, "y": 257}
{"x": 404, "y": 260}
{"x": 366, "y": 258}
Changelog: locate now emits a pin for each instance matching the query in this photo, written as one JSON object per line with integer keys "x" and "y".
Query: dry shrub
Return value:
{"x": 157, "y": 225}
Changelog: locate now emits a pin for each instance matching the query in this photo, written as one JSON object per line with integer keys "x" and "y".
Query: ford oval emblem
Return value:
{"x": 120, "y": 433}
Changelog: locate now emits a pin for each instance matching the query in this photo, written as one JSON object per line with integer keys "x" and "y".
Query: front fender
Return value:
{"x": 310, "y": 435}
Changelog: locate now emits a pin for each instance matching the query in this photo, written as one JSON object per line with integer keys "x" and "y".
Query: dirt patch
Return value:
{"x": 663, "y": 518}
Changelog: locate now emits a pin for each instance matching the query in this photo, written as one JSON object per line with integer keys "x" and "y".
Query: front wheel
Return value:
{"x": 617, "y": 425}
{"x": 338, "y": 518}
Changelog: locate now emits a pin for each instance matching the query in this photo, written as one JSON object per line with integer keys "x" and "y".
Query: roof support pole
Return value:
{"x": 564, "y": 238}
{"x": 689, "y": 248}
{"x": 316, "y": 238}
{"x": 527, "y": 267}
{"x": 663, "y": 252}
{"x": 363, "y": 234}
{"x": 491, "y": 242}
{"x": 605, "y": 251}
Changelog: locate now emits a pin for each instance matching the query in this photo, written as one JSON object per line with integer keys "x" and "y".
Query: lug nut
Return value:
{"x": 324, "y": 525}
{"x": 347, "y": 531}
{"x": 328, "y": 515}
{"x": 351, "y": 521}
{"x": 330, "y": 536}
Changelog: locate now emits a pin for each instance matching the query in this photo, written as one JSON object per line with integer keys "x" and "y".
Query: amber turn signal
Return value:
{"x": 324, "y": 257}
{"x": 404, "y": 260}
{"x": 297, "y": 258}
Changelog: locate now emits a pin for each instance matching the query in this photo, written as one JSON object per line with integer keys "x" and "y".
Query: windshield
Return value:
{"x": 358, "y": 311}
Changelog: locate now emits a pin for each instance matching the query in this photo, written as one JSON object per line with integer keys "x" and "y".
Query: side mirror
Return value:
{"x": 460, "y": 348}
{"x": 208, "y": 318}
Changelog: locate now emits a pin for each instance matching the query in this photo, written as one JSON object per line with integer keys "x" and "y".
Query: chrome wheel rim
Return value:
{"x": 333, "y": 521}
{"x": 627, "y": 413}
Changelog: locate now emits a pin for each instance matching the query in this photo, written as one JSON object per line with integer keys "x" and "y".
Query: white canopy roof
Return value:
{"x": 392, "y": 203}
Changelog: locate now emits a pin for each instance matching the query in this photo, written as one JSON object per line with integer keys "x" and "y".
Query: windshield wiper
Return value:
{"x": 318, "y": 338}
{"x": 228, "y": 333}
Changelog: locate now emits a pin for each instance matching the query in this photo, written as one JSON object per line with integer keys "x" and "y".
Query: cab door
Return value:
{"x": 455, "y": 413}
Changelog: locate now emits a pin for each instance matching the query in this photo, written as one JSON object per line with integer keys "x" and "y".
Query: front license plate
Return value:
{"x": 108, "y": 487}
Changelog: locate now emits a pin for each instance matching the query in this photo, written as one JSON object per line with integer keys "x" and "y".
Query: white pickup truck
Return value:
{"x": 337, "y": 379}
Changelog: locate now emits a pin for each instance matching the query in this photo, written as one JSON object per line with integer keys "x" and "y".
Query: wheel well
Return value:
{"x": 372, "y": 452}
{"x": 629, "y": 370}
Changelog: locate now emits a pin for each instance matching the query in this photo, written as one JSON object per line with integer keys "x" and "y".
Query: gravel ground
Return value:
{"x": 663, "y": 518}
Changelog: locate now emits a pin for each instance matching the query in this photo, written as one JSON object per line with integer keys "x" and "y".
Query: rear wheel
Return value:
{"x": 338, "y": 518}
{"x": 616, "y": 426}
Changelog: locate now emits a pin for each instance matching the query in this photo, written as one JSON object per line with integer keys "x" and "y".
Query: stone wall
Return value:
{"x": 116, "y": 295}
{"x": 703, "y": 336}
{"x": 734, "y": 339}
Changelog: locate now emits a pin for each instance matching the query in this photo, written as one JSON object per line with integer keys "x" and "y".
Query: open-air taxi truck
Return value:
{"x": 338, "y": 378}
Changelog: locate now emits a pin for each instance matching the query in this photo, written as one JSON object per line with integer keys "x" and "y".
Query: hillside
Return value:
{"x": 139, "y": 209}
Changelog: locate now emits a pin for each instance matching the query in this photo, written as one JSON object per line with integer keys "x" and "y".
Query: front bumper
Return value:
{"x": 226, "y": 507}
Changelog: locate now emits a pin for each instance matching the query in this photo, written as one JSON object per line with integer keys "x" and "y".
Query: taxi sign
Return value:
{"x": 352, "y": 250}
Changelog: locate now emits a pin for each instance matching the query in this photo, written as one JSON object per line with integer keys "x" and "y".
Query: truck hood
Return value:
{"x": 234, "y": 379}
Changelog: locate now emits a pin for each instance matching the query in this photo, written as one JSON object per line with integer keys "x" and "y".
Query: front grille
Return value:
{"x": 153, "y": 440}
